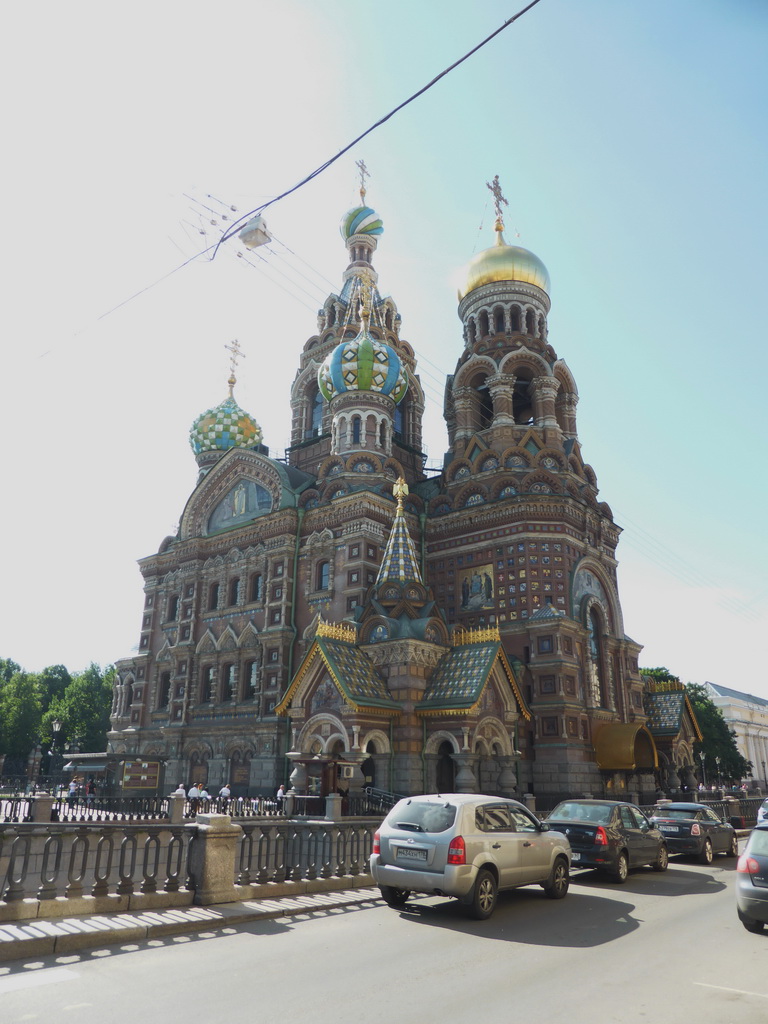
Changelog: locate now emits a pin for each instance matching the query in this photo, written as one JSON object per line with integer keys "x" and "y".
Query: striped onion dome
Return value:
{"x": 363, "y": 364}
{"x": 360, "y": 220}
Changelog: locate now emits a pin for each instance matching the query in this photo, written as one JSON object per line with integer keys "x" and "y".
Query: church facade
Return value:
{"x": 381, "y": 625}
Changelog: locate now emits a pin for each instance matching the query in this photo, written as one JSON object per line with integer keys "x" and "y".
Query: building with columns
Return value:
{"x": 460, "y": 629}
{"x": 747, "y": 716}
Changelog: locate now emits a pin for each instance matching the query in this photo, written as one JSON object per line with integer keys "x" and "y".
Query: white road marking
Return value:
{"x": 737, "y": 991}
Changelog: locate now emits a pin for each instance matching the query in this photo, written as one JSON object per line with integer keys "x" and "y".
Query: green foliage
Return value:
{"x": 20, "y": 709}
{"x": 29, "y": 704}
{"x": 718, "y": 739}
{"x": 663, "y": 675}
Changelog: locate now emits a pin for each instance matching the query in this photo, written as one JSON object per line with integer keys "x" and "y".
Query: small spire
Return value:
{"x": 400, "y": 563}
{"x": 237, "y": 353}
{"x": 364, "y": 173}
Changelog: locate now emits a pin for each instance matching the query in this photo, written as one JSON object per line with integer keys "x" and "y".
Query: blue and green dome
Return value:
{"x": 223, "y": 427}
{"x": 363, "y": 364}
{"x": 360, "y": 220}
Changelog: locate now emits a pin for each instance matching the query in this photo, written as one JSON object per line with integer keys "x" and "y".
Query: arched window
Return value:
{"x": 522, "y": 401}
{"x": 251, "y": 680}
{"x": 206, "y": 684}
{"x": 398, "y": 423}
{"x": 228, "y": 685}
{"x": 484, "y": 328}
{"x": 514, "y": 317}
{"x": 234, "y": 591}
{"x": 213, "y": 596}
{"x": 484, "y": 407}
{"x": 257, "y": 587}
{"x": 498, "y": 321}
{"x": 165, "y": 690}
{"x": 356, "y": 430}
{"x": 173, "y": 608}
{"x": 471, "y": 332}
{"x": 595, "y": 627}
{"x": 316, "y": 426}
{"x": 323, "y": 577}
{"x": 530, "y": 322}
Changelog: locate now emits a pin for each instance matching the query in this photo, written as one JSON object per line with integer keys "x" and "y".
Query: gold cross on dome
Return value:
{"x": 498, "y": 196}
{"x": 236, "y": 353}
{"x": 364, "y": 173}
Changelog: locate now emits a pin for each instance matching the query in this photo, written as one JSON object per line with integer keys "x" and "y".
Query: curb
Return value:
{"x": 96, "y": 931}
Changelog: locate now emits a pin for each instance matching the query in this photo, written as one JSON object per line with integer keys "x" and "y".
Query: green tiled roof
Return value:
{"x": 399, "y": 562}
{"x": 665, "y": 712}
{"x": 354, "y": 672}
{"x": 460, "y": 676}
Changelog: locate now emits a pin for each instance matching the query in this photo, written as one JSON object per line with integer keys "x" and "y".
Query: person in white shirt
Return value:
{"x": 194, "y": 799}
{"x": 224, "y": 794}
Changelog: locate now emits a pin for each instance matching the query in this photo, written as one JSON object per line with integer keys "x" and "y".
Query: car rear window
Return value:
{"x": 582, "y": 812}
{"x": 667, "y": 812}
{"x": 758, "y": 843}
{"x": 423, "y": 817}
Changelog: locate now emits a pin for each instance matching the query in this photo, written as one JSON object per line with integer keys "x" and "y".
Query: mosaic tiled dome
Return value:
{"x": 226, "y": 426}
{"x": 360, "y": 220}
{"x": 363, "y": 364}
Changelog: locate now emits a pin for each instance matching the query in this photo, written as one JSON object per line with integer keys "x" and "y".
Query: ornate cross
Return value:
{"x": 237, "y": 353}
{"x": 364, "y": 173}
{"x": 498, "y": 196}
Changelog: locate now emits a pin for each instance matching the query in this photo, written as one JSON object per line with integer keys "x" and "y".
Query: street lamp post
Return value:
{"x": 702, "y": 758}
{"x": 719, "y": 779}
{"x": 55, "y": 755}
{"x": 764, "y": 780}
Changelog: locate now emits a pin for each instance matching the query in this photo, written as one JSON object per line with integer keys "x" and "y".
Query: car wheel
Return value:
{"x": 662, "y": 859}
{"x": 483, "y": 899}
{"x": 394, "y": 897}
{"x": 557, "y": 884}
{"x": 706, "y": 854}
{"x": 733, "y": 849}
{"x": 621, "y": 871}
{"x": 755, "y": 927}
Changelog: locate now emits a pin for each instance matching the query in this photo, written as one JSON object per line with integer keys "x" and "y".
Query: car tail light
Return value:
{"x": 695, "y": 830}
{"x": 376, "y": 843}
{"x": 747, "y": 865}
{"x": 457, "y": 851}
{"x": 601, "y": 839}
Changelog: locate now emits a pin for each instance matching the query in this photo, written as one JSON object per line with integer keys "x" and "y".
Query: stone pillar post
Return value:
{"x": 176, "y": 809}
{"x": 357, "y": 782}
{"x": 466, "y": 781}
{"x": 507, "y": 781}
{"x": 333, "y": 807}
{"x": 42, "y": 805}
{"x": 212, "y": 857}
{"x": 546, "y": 391}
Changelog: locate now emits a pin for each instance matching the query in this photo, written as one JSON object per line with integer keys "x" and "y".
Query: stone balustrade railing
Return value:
{"x": 57, "y": 869}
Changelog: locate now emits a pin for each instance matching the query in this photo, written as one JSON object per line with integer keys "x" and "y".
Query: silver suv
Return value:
{"x": 467, "y": 846}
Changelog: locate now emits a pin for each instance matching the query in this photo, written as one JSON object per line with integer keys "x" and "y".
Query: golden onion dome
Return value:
{"x": 504, "y": 262}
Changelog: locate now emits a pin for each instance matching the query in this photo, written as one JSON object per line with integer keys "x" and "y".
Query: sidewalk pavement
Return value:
{"x": 59, "y": 936}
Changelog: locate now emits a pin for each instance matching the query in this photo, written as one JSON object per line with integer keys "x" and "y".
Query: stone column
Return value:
{"x": 357, "y": 782}
{"x": 212, "y": 856}
{"x": 42, "y": 805}
{"x": 501, "y": 387}
{"x": 466, "y": 781}
{"x": 546, "y": 392}
{"x": 507, "y": 782}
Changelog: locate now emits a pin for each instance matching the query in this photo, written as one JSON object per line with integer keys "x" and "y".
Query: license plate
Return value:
{"x": 410, "y": 853}
{"x": 575, "y": 856}
{"x": 668, "y": 828}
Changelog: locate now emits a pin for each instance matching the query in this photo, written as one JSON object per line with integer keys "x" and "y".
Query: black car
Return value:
{"x": 695, "y": 830}
{"x": 610, "y": 835}
{"x": 752, "y": 881}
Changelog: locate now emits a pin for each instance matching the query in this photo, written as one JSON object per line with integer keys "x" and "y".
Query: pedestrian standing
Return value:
{"x": 280, "y": 798}
{"x": 194, "y": 799}
{"x": 224, "y": 794}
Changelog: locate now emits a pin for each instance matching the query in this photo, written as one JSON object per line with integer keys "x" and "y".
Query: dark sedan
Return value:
{"x": 752, "y": 881}
{"x": 695, "y": 830}
{"x": 610, "y": 835}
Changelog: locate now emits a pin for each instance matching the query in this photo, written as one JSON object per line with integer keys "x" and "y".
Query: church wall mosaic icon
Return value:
{"x": 476, "y": 588}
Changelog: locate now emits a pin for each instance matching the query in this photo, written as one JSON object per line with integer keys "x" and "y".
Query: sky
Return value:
{"x": 631, "y": 143}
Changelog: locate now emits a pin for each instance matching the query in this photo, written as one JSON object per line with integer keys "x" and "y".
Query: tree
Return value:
{"x": 84, "y": 708}
{"x": 719, "y": 740}
{"x": 20, "y": 712}
{"x": 52, "y": 682}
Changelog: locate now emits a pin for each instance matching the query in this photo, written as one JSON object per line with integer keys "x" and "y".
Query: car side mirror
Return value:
{"x": 543, "y": 826}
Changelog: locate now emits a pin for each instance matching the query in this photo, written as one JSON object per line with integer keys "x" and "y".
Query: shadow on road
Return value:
{"x": 525, "y": 915}
{"x": 645, "y": 881}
